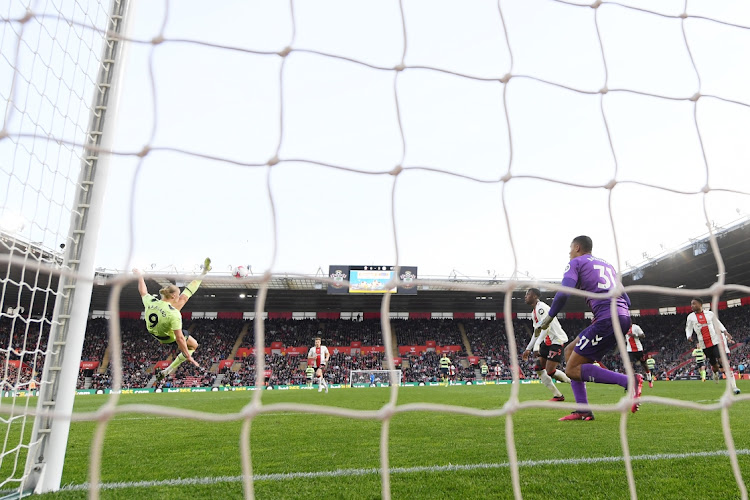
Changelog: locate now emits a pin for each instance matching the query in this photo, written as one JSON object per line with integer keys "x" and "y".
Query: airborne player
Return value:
{"x": 164, "y": 321}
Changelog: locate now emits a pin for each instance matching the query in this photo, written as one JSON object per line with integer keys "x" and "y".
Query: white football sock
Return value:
{"x": 732, "y": 381}
{"x": 560, "y": 375}
{"x": 547, "y": 381}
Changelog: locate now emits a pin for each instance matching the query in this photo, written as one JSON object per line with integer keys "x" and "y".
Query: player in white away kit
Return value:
{"x": 701, "y": 323}
{"x": 548, "y": 344}
{"x": 317, "y": 357}
{"x": 635, "y": 350}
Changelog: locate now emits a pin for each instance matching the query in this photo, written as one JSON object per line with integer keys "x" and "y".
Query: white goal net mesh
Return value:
{"x": 379, "y": 378}
{"x": 549, "y": 116}
{"x": 50, "y": 54}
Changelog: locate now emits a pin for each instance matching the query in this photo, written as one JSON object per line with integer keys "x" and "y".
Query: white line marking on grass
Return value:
{"x": 395, "y": 470}
{"x": 119, "y": 418}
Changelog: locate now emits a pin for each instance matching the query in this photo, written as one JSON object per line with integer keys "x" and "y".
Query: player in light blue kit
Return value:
{"x": 592, "y": 274}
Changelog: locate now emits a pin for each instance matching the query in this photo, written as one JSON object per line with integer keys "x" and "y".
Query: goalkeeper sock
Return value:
{"x": 560, "y": 375}
{"x": 177, "y": 362}
{"x": 547, "y": 381}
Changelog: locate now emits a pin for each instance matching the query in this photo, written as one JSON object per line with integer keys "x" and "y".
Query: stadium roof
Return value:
{"x": 695, "y": 267}
{"x": 691, "y": 267}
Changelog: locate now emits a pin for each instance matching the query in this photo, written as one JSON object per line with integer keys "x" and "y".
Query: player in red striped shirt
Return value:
{"x": 635, "y": 350}
{"x": 702, "y": 324}
{"x": 317, "y": 357}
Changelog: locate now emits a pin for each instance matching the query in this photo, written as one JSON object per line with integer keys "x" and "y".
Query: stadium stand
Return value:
{"x": 487, "y": 341}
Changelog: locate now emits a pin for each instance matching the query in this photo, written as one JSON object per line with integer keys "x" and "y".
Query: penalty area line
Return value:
{"x": 396, "y": 470}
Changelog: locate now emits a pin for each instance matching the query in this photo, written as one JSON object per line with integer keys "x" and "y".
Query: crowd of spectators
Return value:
{"x": 24, "y": 340}
{"x": 22, "y": 347}
{"x": 419, "y": 331}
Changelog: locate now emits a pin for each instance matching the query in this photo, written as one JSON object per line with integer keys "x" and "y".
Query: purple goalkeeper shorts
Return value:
{"x": 599, "y": 338}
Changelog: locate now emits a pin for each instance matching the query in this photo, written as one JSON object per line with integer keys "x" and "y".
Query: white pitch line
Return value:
{"x": 395, "y": 470}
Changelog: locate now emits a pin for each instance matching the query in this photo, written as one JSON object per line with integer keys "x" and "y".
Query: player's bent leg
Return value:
{"x": 192, "y": 345}
{"x": 547, "y": 382}
{"x": 593, "y": 343}
{"x": 560, "y": 376}
{"x": 716, "y": 374}
{"x": 569, "y": 350}
{"x": 573, "y": 366}
{"x": 552, "y": 362}
{"x": 550, "y": 372}
{"x": 638, "y": 389}
{"x": 573, "y": 370}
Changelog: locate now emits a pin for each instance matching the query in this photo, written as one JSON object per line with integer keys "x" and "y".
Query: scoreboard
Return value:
{"x": 371, "y": 279}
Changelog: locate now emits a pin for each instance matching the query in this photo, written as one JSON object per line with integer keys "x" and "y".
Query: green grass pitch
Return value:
{"x": 678, "y": 451}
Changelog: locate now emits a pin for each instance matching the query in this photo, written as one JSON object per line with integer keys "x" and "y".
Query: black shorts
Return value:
{"x": 712, "y": 354}
{"x": 444, "y": 371}
{"x": 637, "y": 357}
{"x": 321, "y": 368}
{"x": 701, "y": 363}
{"x": 553, "y": 352}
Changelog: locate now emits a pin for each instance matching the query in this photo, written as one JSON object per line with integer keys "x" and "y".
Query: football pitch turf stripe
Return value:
{"x": 395, "y": 470}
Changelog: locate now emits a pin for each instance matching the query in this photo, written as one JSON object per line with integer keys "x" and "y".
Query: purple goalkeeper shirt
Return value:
{"x": 593, "y": 274}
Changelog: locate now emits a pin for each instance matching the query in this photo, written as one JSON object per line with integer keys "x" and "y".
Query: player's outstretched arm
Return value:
{"x": 182, "y": 344}
{"x": 141, "y": 282}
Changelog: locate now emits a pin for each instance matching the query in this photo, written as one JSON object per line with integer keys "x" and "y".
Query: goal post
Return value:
{"x": 375, "y": 378}
{"x": 49, "y": 437}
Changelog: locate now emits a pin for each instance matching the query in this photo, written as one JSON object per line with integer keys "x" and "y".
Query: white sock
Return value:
{"x": 547, "y": 381}
{"x": 732, "y": 381}
{"x": 560, "y": 375}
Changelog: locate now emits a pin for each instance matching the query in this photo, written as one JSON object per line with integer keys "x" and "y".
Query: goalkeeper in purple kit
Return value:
{"x": 591, "y": 274}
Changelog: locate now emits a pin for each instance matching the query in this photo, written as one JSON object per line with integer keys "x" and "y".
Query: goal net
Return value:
{"x": 470, "y": 138}
{"x": 374, "y": 378}
{"x": 56, "y": 72}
